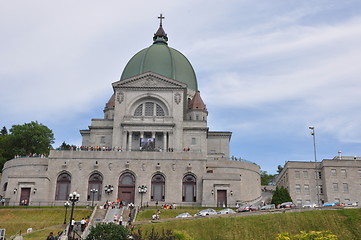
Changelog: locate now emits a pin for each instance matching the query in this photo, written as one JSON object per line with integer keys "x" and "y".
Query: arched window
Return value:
{"x": 149, "y": 109}
{"x": 126, "y": 188}
{"x": 158, "y": 188}
{"x": 95, "y": 182}
{"x": 189, "y": 193}
{"x": 63, "y": 186}
{"x": 127, "y": 179}
{"x": 5, "y": 186}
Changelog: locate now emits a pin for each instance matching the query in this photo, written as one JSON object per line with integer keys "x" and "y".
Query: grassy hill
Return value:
{"x": 345, "y": 223}
{"x": 44, "y": 219}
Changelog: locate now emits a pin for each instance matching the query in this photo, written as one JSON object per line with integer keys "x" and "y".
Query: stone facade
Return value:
{"x": 339, "y": 180}
{"x": 154, "y": 133}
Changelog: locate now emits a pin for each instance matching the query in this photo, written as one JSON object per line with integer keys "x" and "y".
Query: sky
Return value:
{"x": 266, "y": 69}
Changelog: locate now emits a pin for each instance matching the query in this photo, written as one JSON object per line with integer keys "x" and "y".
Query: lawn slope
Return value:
{"x": 345, "y": 223}
{"x": 15, "y": 219}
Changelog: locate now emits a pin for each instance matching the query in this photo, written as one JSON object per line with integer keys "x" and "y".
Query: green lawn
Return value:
{"x": 346, "y": 224}
{"x": 15, "y": 219}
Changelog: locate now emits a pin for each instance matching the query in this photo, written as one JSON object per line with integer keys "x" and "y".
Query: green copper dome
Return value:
{"x": 162, "y": 59}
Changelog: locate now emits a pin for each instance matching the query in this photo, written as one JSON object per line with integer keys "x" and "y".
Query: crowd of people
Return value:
{"x": 89, "y": 148}
{"x": 76, "y": 226}
{"x": 35, "y": 155}
{"x": 156, "y": 216}
{"x": 116, "y": 149}
{"x": 112, "y": 205}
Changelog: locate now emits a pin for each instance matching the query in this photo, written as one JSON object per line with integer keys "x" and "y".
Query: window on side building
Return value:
{"x": 297, "y": 174}
{"x": 335, "y": 187}
{"x": 307, "y": 188}
{"x": 343, "y": 173}
{"x": 345, "y": 187}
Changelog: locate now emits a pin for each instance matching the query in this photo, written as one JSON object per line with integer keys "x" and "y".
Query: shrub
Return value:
{"x": 182, "y": 235}
{"x": 312, "y": 235}
{"x": 108, "y": 231}
{"x": 153, "y": 235}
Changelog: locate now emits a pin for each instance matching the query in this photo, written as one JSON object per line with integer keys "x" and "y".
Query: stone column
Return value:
{"x": 171, "y": 142}
{"x": 124, "y": 142}
{"x": 165, "y": 141}
{"x": 130, "y": 139}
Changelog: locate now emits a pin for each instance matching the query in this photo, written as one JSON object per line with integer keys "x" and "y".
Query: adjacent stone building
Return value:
{"x": 154, "y": 134}
{"x": 338, "y": 180}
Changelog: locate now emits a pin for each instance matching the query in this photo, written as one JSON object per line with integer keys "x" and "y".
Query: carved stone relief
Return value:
{"x": 149, "y": 82}
{"x": 120, "y": 97}
{"x": 177, "y": 98}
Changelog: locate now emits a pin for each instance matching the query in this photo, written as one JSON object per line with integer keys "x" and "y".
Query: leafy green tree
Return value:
{"x": 6, "y": 152}
{"x": 266, "y": 178}
{"x": 65, "y": 146}
{"x": 281, "y": 195}
{"x": 279, "y": 169}
{"x": 3, "y": 131}
{"x": 31, "y": 138}
{"x": 108, "y": 231}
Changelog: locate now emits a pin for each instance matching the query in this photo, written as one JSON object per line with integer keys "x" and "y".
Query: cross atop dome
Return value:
{"x": 160, "y": 36}
{"x": 161, "y": 18}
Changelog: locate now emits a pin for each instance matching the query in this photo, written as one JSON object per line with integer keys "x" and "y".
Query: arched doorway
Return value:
{"x": 63, "y": 186}
{"x": 158, "y": 188}
{"x": 189, "y": 189}
{"x": 126, "y": 188}
{"x": 95, "y": 182}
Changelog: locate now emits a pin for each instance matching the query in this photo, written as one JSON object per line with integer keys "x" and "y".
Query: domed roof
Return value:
{"x": 162, "y": 59}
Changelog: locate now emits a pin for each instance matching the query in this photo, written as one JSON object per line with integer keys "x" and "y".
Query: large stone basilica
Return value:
{"x": 154, "y": 135}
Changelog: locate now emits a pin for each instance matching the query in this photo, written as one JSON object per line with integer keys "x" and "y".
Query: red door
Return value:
{"x": 221, "y": 198}
{"x": 24, "y": 196}
{"x": 126, "y": 194}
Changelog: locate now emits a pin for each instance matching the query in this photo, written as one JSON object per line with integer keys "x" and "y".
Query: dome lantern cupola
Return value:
{"x": 160, "y": 36}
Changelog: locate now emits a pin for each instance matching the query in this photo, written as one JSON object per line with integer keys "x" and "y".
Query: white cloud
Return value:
{"x": 273, "y": 64}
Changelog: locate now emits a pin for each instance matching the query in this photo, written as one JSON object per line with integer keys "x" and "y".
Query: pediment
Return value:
{"x": 148, "y": 80}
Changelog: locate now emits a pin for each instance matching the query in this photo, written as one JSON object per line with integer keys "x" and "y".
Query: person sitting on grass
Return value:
{"x": 50, "y": 237}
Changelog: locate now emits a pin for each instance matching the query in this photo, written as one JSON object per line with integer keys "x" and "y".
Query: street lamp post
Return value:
{"x": 312, "y": 128}
{"x": 142, "y": 189}
{"x": 73, "y": 198}
{"x": 93, "y": 191}
{"x": 66, "y": 205}
{"x": 108, "y": 189}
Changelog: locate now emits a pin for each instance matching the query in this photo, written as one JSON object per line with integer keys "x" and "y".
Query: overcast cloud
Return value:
{"x": 266, "y": 69}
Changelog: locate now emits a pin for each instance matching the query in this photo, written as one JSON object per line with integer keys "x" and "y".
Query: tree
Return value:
{"x": 65, "y": 146}
{"x": 4, "y": 131}
{"x": 31, "y": 138}
{"x": 281, "y": 195}
{"x": 266, "y": 178}
{"x": 6, "y": 152}
{"x": 279, "y": 169}
{"x": 108, "y": 231}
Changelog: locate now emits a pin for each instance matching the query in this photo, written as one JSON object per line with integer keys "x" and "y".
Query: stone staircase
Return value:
{"x": 97, "y": 216}
{"x": 110, "y": 214}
